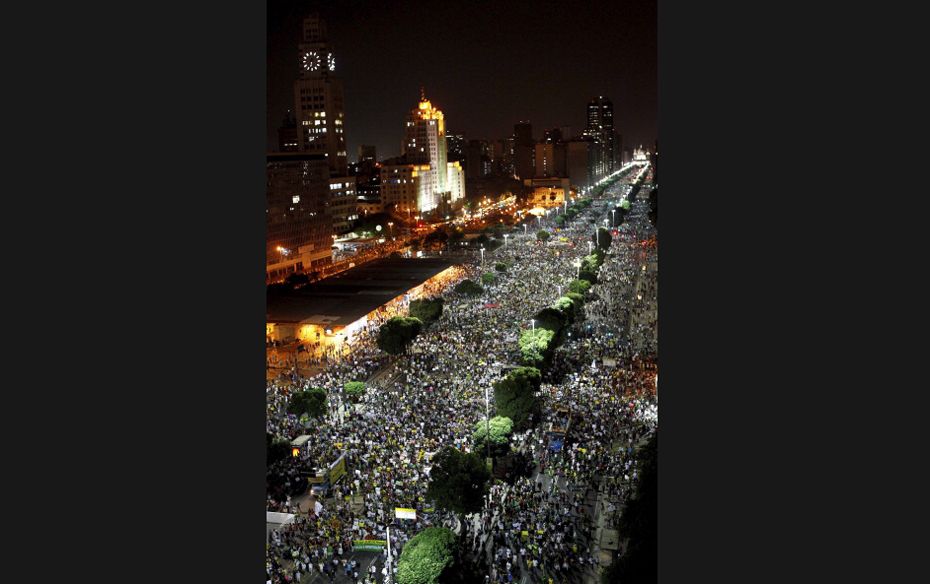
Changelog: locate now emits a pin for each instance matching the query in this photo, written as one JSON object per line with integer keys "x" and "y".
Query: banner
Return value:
{"x": 337, "y": 470}
{"x": 368, "y": 545}
{"x": 405, "y": 513}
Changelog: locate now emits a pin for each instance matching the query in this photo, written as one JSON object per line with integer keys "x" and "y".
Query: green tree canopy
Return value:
{"x": 501, "y": 430}
{"x": 500, "y": 267}
{"x": 469, "y": 287}
{"x": 311, "y": 402}
{"x": 560, "y": 220}
{"x": 277, "y": 449}
{"x": 396, "y": 334}
{"x": 458, "y": 481}
{"x": 602, "y": 238}
{"x": 428, "y": 310}
{"x": 551, "y": 318}
{"x": 487, "y": 278}
{"x": 566, "y": 306}
{"x": 577, "y": 298}
{"x": 536, "y": 347}
{"x": 542, "y": 235}
{"x": 514, "y": 394}
{"x": 426, "y": 556}
{"x": 354, "y": 390}
{"x": 579, "y": 286}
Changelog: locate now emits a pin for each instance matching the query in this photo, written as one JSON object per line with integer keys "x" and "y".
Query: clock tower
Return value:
{"x": 318, "y": 98}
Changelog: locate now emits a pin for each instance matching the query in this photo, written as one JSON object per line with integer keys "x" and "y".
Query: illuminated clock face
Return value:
{"x": 331, "y": 61}
{"x": 311, "y": 61}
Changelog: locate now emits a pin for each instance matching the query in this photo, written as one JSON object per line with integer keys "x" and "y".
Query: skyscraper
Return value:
{"x": 600, "y": 127}
{"x": 318, "y": 103}
{"x": 298, "y": 226}
{"x": 523, "y": 150}
{"x": 422, "y": 178}
{"x": 318, "y": 98}
{"x": 287, "y": 134}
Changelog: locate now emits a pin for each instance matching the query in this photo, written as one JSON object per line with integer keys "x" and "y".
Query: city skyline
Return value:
{"x": 465, "y": 56}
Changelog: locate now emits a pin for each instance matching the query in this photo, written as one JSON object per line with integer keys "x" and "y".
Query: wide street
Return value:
{"x": 557, "y": 522}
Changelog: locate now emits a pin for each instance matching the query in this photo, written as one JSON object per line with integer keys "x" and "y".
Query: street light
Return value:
{"x": 506, "y": 235}
{"x": 524, "y": 229}
{"x": 591, "y": 244}
{"x": 391, "y": 227}
{"x": 578, "y": 265}
{"x": 482, "y": 258}
{"x": 533, "y": 324}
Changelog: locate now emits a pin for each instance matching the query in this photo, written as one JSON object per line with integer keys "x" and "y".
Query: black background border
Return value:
{"x": 141, "y": 139}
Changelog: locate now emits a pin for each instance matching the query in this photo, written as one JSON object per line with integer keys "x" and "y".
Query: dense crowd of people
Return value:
{"x": 544, "y": 524}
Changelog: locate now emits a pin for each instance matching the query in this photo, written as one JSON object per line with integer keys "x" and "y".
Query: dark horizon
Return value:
{"x": 486, "y": 65}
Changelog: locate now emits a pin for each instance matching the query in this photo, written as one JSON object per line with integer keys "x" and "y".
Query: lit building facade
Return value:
{"x": 422, "y": 178}
{"x": 298, "y": 225}
{"x": 320, "y": 115}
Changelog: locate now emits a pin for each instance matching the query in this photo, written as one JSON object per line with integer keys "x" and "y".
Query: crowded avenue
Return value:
{"x": 552, "y": 524}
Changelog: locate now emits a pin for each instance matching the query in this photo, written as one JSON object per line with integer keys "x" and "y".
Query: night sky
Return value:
{"x": 485, "y": 64}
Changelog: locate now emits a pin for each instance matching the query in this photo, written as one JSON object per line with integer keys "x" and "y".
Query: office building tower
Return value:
{"x": 318, "y": 98}
{"x": 298, "y": 226}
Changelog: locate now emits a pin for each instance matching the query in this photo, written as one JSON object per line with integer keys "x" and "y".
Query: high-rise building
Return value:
{"x": 552, "y": 135}
{"x": 318, "y": 98}
{"x": 298, "y": 226}
{"x": 550, "y": 159}
{"x": 579, "y": 162}
{"x": 455, "y": 146}
{"x": 477, "y": 159}
{"x": 523, "y": 150}
{"x": 287, "y": 134}
{"x": 320, "y": 112}
{"x": 422, "y": 178}
{"x": 600, "y": 127}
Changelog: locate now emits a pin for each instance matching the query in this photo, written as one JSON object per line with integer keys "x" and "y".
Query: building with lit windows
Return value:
{"x": 320, "y": 113}
{"x": 422, "y": 178}
{"x": 600, "y": 128}
{"x": 550, "y": 159}
{"x": 298, "y": 225}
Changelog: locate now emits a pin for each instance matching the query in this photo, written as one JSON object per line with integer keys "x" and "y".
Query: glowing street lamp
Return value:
{"x": 482, "y": 258}
{"x": 506, "y": 235}
{"x": 578, "y": 266}
{"x": 533, "y": 324}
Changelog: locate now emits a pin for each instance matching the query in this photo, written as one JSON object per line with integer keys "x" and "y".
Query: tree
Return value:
{"x": 469, "y": 287}
{"x": 579, "y": 286}
{"x": 577, "y": 298}
{"x": 501, "y": 430}
{"x": 426, "y": 556}
{"x": 560, "y": 220}
{"x": 396, "y": 334}
{"x": 458, "y": 481}
{"x": 639, "y": 523}
{"x": 311, "y": 402}
{"x": 536, "y": 347}
{"x": 487, "y": 278}
{"x": 500, "y": 267}
{"x": 542, "y": 235}
{"x": 277, "y": 449}
{"x": 428, "y": 310}
{"x": 566, "y": 306}
{"x": 355, "y": 390}
{"x": 515, "y": 394}
{"x": 602, "y": 238}
{"x": 551, "y": 318}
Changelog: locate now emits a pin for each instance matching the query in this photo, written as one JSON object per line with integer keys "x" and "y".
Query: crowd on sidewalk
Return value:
{"x": 542, "y": 525}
